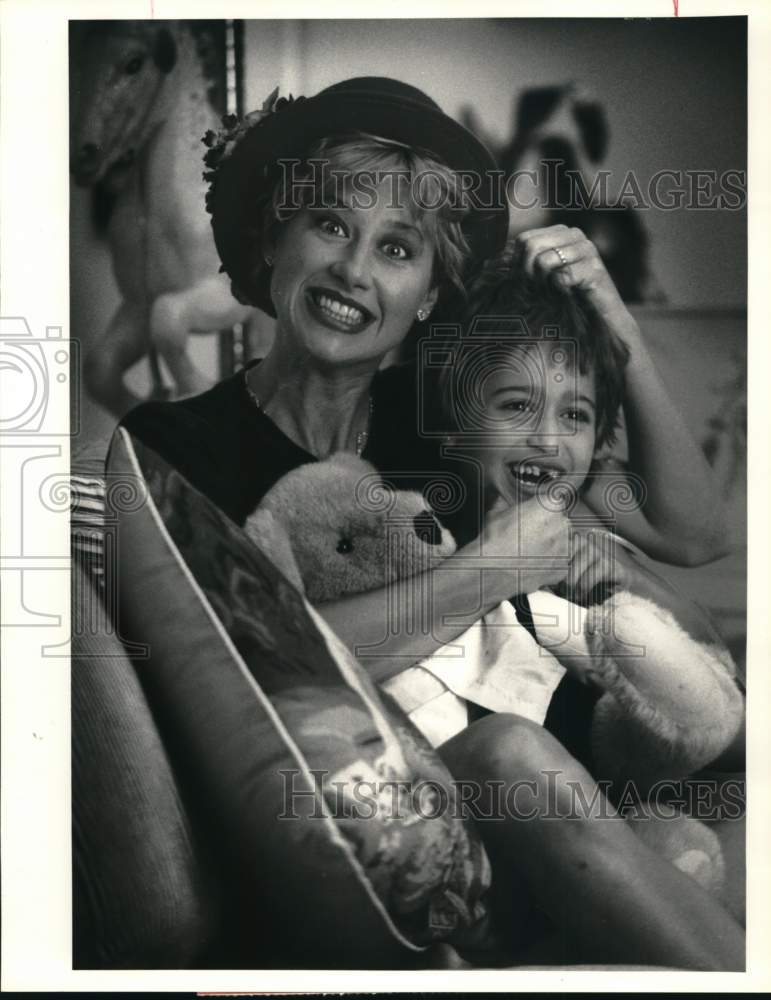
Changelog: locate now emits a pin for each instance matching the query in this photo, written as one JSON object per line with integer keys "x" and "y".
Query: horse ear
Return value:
{"x": 165, "y": 53}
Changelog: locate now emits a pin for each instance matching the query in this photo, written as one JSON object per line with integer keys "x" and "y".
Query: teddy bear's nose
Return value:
{"x": 427, "y": 528}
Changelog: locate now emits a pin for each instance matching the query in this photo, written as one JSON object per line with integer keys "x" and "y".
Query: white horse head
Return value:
{"x": 120, "y": 69}
{"x": 143, "y": 93}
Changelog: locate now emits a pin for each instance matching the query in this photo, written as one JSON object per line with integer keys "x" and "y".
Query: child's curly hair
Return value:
{"x": 500, "y": 293}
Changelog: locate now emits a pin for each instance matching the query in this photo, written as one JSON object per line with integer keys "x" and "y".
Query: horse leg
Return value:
{"x": 122, "y": 344}
{"x": 203, "y": 308}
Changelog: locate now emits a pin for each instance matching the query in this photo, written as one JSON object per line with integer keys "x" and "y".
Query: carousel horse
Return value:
{"x": 141, "y": 100}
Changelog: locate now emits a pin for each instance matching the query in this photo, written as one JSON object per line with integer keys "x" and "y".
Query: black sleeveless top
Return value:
{"x": 229, "y": 450}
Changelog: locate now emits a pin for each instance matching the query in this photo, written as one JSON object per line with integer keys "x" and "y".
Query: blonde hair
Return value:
{"x": 435, "y": 195}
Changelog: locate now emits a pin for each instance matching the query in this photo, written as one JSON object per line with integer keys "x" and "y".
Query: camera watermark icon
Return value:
{"x": 462, "y": 370}
{"x": 95, "y": 508}
{"x": 37, "y": 558}
{"x": 32, "y": 547}
{"x": 31, "y": 368}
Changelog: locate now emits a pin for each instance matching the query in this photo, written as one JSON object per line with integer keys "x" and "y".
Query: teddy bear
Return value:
{"x": 669, "y": 704}
{"x": 335, "y": 528}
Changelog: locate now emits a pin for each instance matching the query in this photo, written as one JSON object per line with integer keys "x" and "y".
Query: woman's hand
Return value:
{"x": 565, "y": 256}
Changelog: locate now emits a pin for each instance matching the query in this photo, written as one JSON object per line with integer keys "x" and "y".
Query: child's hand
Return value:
{"x": 565, "y": 256}
{"x": 600, "y": 566}
{"x": 534, "y": 544}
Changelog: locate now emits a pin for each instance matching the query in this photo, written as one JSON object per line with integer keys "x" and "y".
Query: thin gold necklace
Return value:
{"x": 361, "y": 438}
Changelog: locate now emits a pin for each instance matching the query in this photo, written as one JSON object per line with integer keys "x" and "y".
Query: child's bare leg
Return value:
{"x": 603, "y": 888}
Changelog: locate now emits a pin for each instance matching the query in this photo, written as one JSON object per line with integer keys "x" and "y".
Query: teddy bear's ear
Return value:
{"x": 269, "y": 536}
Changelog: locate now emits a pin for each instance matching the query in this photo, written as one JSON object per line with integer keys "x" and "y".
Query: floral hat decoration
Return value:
{"x": 242, "y": 163}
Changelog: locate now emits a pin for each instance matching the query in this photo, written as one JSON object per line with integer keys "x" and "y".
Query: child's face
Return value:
{"x": 539, "y": 415}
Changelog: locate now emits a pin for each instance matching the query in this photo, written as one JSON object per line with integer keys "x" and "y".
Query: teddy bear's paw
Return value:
{"x": 643, "y": 641}
{"x": 698, "y": 864}
{"x": 626, "y": 749}
{"x": 632, "y": 740}
{"x": 604, "y": 672}
{"x": 673, "y": 680}
{"x": 689, "y": 845}
{"x": 623, "y": 699}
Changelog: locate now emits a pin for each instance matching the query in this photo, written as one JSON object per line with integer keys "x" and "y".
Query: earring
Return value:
{"x": 423, "y": 315}
{"x": 268, "y": 260}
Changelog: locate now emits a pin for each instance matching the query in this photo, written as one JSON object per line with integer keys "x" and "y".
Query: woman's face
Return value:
{"x": 348, "y": 281}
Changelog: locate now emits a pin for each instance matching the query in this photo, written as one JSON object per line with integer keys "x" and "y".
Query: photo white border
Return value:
{"x": 35, "y": 817}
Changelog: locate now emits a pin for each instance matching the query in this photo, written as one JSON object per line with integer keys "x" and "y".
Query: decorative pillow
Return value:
{"x": 342, "y": 818}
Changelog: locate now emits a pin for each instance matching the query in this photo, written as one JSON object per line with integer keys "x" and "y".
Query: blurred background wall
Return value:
{"x": 674, "y": 90}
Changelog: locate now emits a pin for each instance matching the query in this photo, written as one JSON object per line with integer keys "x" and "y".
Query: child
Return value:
{"x": 535, "y": 393}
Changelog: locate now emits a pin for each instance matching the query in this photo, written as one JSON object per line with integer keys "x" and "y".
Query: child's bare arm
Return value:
{"x": 680, "y": 520}
{"x": 602, "y": 565}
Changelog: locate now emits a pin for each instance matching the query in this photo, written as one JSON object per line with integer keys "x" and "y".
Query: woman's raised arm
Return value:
{"x": 680, "y": 519}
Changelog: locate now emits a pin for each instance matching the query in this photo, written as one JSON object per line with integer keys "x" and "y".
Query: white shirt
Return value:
{"x": 496, "y": 664}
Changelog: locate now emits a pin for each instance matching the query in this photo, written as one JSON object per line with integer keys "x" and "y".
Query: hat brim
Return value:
{"x": 287, "y": 134}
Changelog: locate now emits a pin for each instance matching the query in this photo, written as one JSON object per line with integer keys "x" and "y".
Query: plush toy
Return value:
{"x": 670, "y": 704}
{"x": 335, "y": 528}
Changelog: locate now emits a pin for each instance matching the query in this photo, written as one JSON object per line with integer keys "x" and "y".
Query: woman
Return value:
{"x": 348, "y": 258}
{"x": 320, "y": 215}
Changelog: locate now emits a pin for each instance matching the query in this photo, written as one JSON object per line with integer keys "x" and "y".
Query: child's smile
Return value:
{"x": 529, "y": 475}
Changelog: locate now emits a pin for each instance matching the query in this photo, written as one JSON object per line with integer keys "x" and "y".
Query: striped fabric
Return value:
{"x": 87, "y": 523}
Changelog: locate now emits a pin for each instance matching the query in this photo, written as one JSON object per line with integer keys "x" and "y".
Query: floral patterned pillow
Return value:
{"x": 342, "y": 814}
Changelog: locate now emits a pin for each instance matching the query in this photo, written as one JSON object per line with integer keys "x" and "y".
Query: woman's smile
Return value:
{"x": 338, "y": 311}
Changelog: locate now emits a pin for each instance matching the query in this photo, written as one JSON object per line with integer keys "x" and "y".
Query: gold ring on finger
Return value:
{"x": 561, "y": 255}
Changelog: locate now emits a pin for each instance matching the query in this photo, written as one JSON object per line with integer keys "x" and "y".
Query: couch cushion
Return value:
{"x": 140, "y": 899}
{"x": 340, "y": 817}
